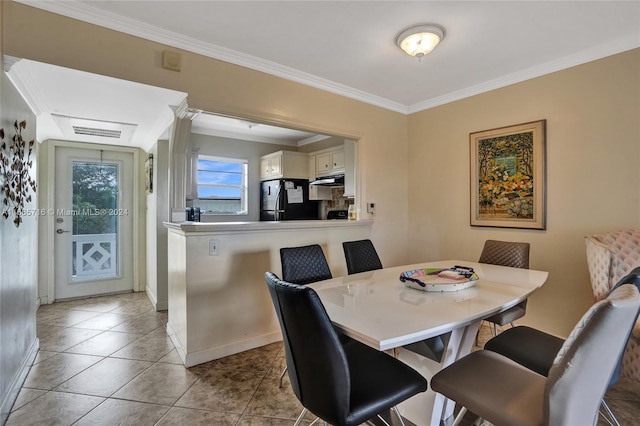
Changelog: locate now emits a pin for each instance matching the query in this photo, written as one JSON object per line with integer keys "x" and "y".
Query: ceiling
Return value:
{"x": 348, "y": 47}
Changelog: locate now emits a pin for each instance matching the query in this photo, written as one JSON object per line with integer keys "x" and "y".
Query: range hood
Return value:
{"x": 333, "y": 180}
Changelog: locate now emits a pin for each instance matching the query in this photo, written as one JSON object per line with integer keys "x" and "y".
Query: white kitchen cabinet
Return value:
{"x": 330, "y": 162}
{"x": 312, "y": 167}
{"x": 284, "y": 164}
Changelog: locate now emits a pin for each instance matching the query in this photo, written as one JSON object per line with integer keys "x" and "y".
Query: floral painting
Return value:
{"x": 507, "y": 176}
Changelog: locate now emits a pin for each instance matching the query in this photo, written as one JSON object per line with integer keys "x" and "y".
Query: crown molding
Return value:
{"x": 82, "y": 12}
{"x": 27, "y": 85}
{"x": 579, "y": 58}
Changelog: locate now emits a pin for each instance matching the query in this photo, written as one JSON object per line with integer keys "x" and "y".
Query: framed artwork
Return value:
{"x": 508, "y": 182}
{"x": 148, "y": 172}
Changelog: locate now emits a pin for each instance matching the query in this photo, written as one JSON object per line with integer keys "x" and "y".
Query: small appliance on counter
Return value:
{"x": 337, "y": 214}
{"x": 193, "y": 214}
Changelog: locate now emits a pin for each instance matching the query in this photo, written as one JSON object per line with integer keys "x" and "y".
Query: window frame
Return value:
{"x": 243, "y": 186}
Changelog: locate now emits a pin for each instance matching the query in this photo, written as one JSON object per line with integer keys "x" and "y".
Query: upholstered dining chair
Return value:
{"x": 304, "y": 265}
{"x": 537, "y": 350}
{"x": 506, "y": 253}
{"x": 361, "y": 256}
{"x": 348, "y": 383}
{"x": 610, "y": 257}
{"x": 504, "y": 392}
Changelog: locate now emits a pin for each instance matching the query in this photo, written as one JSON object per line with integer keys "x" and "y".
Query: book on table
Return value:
{"x": 439, "y": 279}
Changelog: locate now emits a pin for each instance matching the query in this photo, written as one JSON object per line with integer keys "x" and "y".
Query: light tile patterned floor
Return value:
{"x": 108, "y": 361}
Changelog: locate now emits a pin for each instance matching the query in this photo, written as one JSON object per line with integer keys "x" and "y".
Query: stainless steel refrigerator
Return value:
{"x": 286, "y": 199}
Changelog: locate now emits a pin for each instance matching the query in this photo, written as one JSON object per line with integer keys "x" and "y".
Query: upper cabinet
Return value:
{"x": 336, "y": 160}
{"x": 329, "y": 162}
{"x": 284, "y": 164}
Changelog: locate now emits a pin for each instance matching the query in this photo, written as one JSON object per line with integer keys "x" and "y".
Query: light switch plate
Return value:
{"x": 214, "y": 247}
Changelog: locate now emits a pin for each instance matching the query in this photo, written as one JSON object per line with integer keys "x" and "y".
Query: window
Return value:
{"x": 222, "y": 185}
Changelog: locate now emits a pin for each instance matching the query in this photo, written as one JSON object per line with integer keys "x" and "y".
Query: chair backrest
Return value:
{"x": 361, "y": 256}
{"x": 304, "y": 265}
{"x": 610, "y": 257}
{"x": 505, "y": 253}
{"x": 633, "y": 278}
{"x": 582, "y": 369}
{"x": 316, "y": 362}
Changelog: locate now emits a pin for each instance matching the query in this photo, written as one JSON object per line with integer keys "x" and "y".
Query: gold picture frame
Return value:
{"x": 508, "y": 176}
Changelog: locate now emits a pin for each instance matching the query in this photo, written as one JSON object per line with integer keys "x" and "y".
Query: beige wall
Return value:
{"x": 593, "y": 184}
{"x": 224, "y": 88}
{"x": 592, "y": 146}
{"x": 18, "y": 262}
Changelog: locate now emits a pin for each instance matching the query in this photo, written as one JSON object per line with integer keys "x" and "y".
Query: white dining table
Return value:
{"x": 377, "y": 309}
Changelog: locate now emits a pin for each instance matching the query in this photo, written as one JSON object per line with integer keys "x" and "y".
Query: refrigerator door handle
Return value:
{"x": 276, "y": 213}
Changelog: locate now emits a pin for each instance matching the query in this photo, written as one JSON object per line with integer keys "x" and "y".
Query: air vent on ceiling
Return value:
{"x": 89, "y": 130}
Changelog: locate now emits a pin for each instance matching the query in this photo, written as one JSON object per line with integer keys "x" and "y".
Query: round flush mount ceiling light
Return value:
{"x": 420, "y": 40}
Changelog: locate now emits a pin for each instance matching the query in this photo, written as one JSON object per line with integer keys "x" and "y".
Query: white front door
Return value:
{"x": 93, "y": 222}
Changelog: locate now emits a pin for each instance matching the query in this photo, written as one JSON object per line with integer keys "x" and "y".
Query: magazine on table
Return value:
{"x": 440, "y": 279}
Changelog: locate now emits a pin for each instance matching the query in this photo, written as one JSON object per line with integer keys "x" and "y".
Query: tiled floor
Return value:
{"x": 109, "y": 361}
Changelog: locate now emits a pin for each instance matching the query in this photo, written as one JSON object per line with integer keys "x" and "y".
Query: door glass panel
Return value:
{"x": 95, "y": 224}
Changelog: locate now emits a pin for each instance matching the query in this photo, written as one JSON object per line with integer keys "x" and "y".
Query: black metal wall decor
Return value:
{"x": 17, "y": 183}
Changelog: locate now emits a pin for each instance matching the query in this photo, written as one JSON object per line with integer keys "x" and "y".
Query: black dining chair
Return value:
{"x": 361, "y": 256}
{"x": 304, "y": 265}
{"x": 536, "y": 350}
{"x": 504, "y": 392}
{"x": 515, "y": 255}
{"x": 343, "y": 383}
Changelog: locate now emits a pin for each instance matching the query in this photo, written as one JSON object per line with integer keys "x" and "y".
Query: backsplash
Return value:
{"x": 338, "y": 201}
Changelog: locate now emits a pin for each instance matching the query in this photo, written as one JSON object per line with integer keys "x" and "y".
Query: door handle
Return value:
{"x": 60, "y": 231}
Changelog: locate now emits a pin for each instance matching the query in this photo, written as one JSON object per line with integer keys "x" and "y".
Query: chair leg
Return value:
{"x": 460, "y": 416}
{"x": 495, "y": 329}
{"x": 395, "y": 408}
{"x": 301, "y": 416}
{"x": 282, "y": 376}
{"x": 612, "y": 418}
{"x": 512, "y": 324}
{"x": 383, "y": 420}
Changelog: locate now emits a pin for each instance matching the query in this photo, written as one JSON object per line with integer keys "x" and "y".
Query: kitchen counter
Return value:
{"x": 264, "y": 226}
{"x": 218, "y": 300}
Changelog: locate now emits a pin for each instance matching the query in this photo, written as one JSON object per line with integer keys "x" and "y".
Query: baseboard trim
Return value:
{"x": 189, "y": 359}
{"x": 209, "y": 354}
{"x": 177, "y": 343}
{"x": 158, "y": 306}
{"x": 18, "y": 381}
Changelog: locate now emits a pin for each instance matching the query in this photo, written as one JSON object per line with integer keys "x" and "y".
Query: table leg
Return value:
{"x": 460, "y": 344}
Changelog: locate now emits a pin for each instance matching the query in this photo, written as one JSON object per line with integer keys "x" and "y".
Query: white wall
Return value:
{"x": 18, "y": 267}
{"x": 158, "y": 212}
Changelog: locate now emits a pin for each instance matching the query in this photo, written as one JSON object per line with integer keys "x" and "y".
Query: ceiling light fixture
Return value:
{"x": 420, "y": 40}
